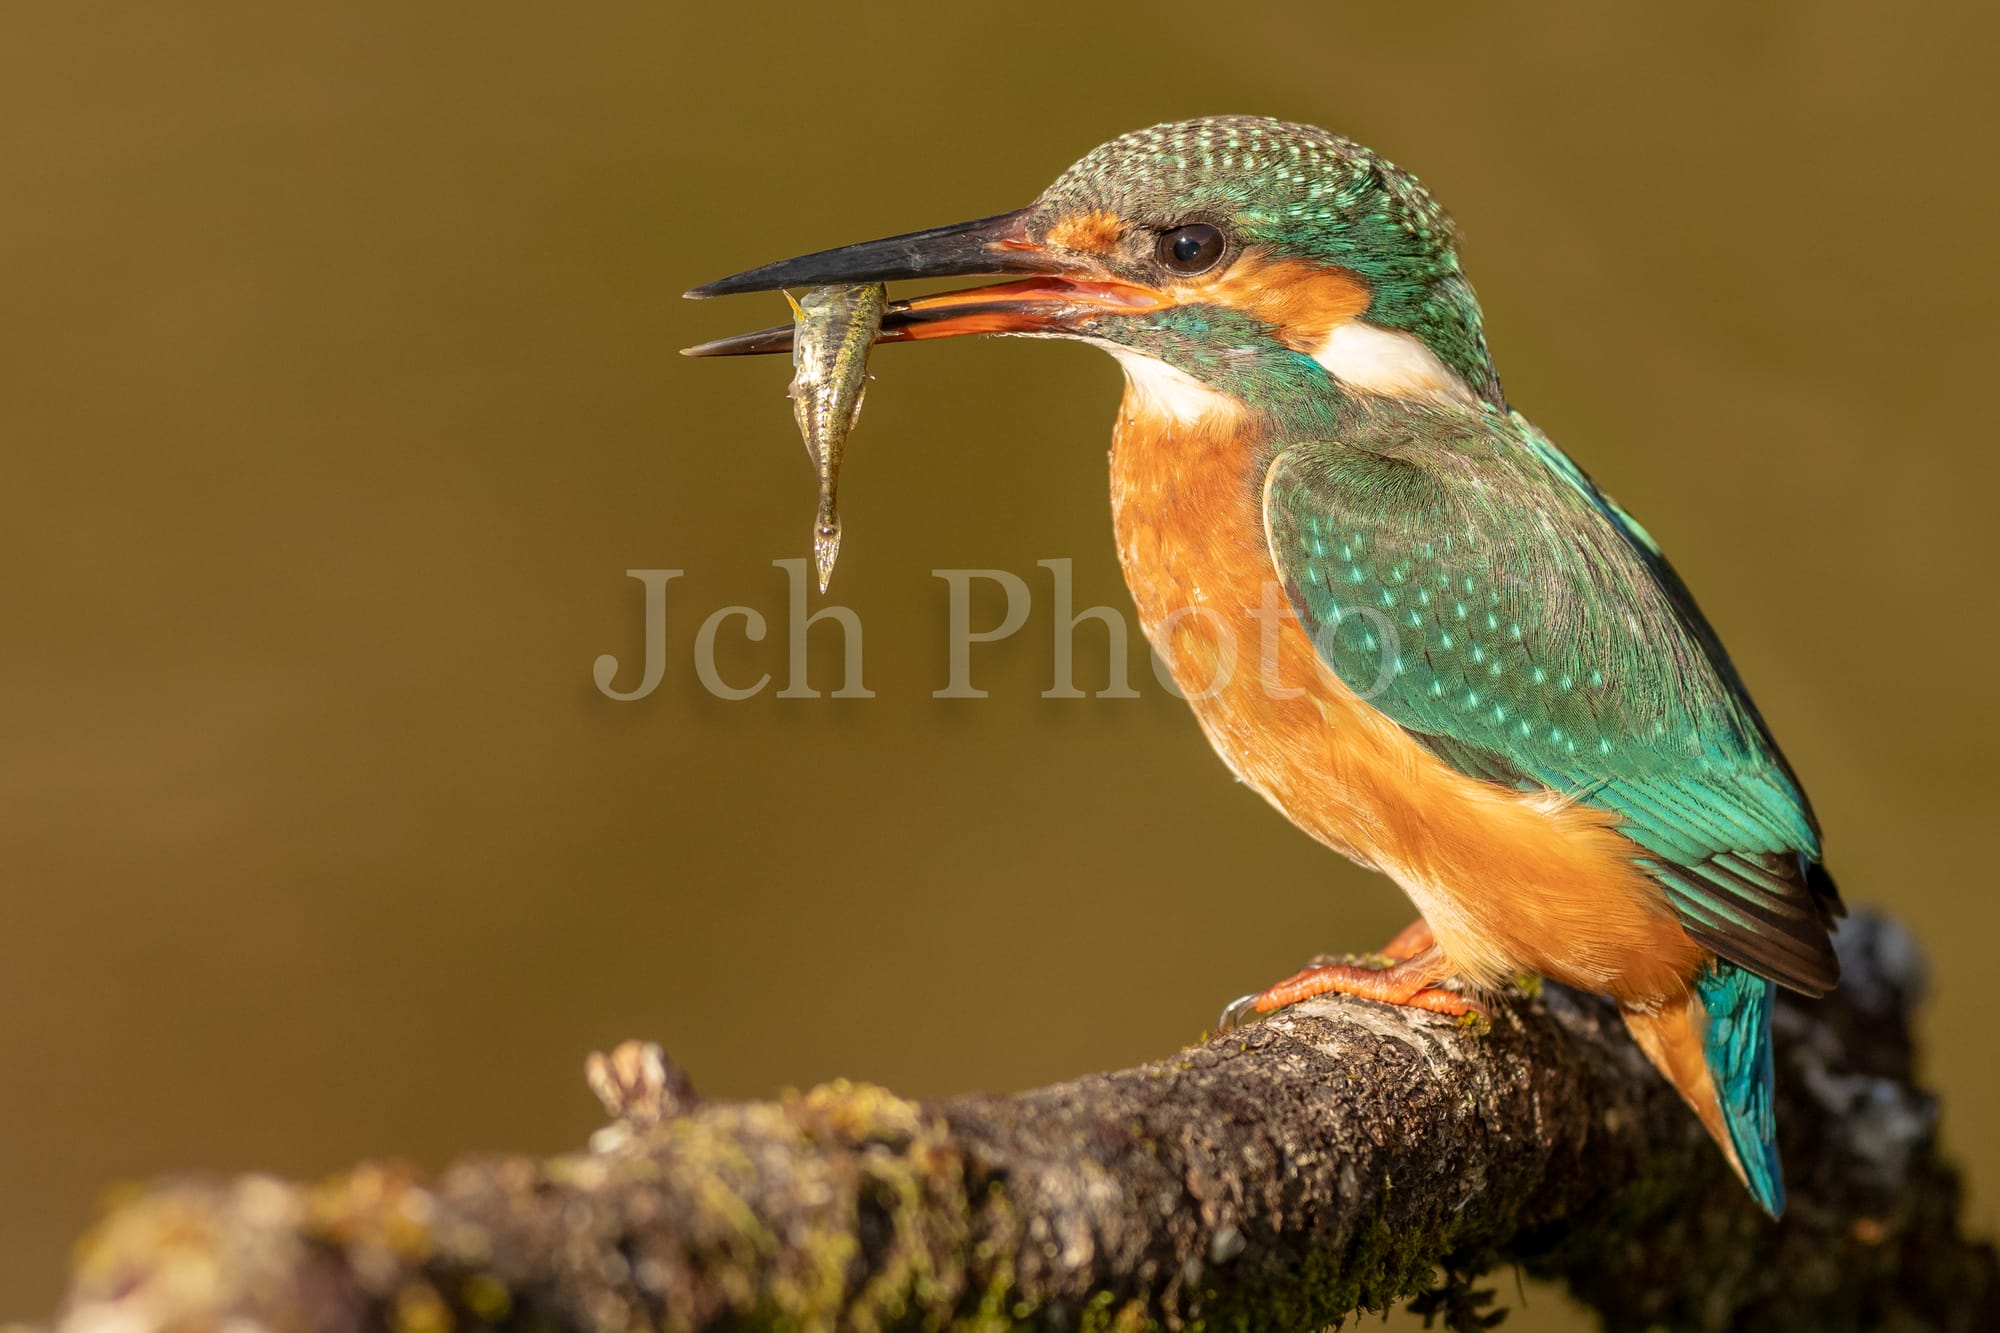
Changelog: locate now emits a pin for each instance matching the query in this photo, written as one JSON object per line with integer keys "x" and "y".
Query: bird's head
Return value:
{"x": 1264, "y": 261}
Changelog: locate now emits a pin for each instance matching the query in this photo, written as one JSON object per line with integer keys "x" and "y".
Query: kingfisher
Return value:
{"x": 1487, "y": 681}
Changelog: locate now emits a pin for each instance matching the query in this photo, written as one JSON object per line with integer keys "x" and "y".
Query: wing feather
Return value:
{"x": 1469, "y": 581}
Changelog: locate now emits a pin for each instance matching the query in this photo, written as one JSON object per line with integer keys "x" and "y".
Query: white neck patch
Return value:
{"x": 1383, "y": 361}
{"x": 1168, "y": 389}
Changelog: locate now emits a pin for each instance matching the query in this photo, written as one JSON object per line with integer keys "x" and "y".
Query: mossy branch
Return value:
{"x": 1336, "y": 1158}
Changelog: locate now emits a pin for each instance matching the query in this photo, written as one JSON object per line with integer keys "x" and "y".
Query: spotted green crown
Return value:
{"x": 1301, "y": 192}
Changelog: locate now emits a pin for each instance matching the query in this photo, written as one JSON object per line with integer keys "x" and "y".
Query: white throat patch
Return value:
{"x": 1395, "y": 365}
{"x": 1168, "y": 389}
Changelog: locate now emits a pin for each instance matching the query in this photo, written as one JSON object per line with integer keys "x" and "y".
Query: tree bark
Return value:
{"x": 1337, "y": 1157}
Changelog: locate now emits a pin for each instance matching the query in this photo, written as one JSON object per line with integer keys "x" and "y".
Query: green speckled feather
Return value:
{"x": 1467, "y": 579}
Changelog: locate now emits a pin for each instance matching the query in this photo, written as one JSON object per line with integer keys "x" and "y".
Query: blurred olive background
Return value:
{"x": 338, "y": 391}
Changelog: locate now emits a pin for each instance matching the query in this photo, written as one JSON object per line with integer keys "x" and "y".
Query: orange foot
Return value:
{"x": 1410, "y": 941}
{"x": 1411, "y": 982}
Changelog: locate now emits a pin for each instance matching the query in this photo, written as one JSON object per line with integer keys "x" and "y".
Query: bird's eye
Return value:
{"x": 1194, "y": 248}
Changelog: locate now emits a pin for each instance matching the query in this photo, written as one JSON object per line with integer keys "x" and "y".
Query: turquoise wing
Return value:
{"x": 1469, "y": 582}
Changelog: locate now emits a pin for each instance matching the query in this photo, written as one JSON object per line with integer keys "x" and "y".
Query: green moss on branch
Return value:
{"x": 1335, "y": 1158}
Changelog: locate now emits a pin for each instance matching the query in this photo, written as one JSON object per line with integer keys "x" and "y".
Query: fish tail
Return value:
{"x": 1714, "y": 1046}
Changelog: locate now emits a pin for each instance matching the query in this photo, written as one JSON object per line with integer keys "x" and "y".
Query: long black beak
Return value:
{"x": 984, "y": 246}
{"x": 1056, "y": 294}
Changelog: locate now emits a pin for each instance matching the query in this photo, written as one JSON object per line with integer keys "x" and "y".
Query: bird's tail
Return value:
{"x": 1738, "y": 1048}
{"x": 1715, "y": 1047}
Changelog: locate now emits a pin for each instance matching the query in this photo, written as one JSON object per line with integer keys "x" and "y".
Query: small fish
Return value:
{"x": 834, "y": 328}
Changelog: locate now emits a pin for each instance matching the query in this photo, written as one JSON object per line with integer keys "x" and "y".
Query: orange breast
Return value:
{"x": 1509, "y": 881}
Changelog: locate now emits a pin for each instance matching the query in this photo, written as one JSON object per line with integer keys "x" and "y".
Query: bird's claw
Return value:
{"x": 1239, "y": 1011}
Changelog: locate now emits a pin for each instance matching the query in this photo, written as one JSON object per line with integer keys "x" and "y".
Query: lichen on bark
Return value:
{"x": 1336, "y": 1158}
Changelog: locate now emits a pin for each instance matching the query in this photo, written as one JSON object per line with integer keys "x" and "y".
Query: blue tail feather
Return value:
{"x": 1738, "y": 1051}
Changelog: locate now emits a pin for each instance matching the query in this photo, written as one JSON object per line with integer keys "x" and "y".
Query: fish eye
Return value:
{"x": 1192, "y": 248}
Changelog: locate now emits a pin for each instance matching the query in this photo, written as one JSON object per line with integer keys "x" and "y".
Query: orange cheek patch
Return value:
{"x": 1096, "y": 232}
{"x": 1303, "y": 302}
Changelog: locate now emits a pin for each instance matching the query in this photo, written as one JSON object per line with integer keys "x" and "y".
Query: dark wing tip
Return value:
{"x": 1772, "y": 925}
{"x": 1826, "y": 893}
